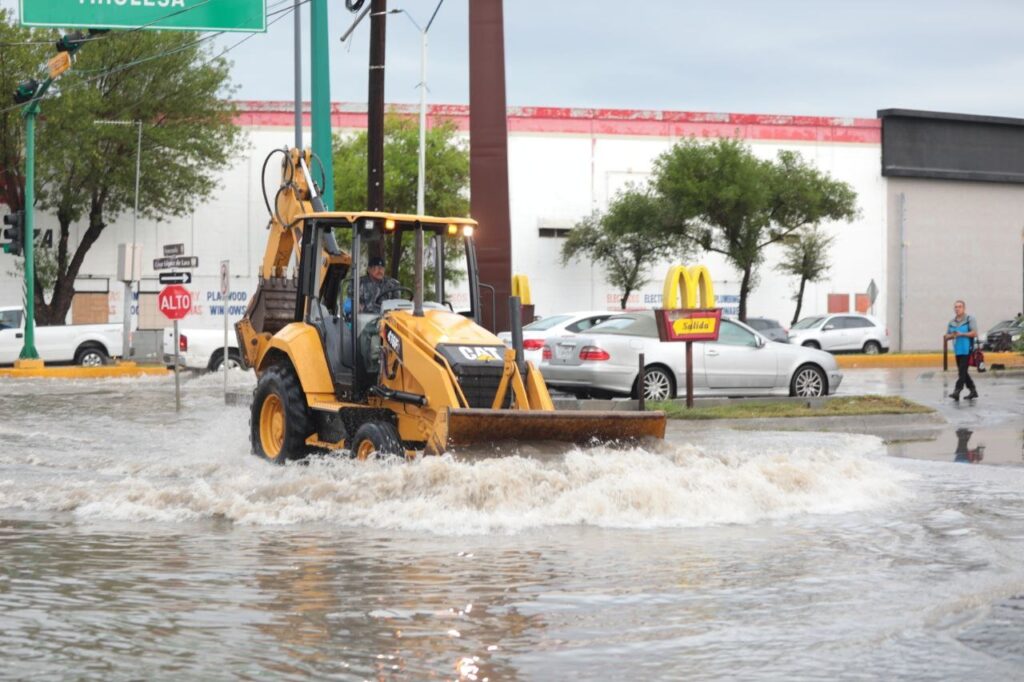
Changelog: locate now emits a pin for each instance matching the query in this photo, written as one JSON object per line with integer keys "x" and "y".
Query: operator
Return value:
{"x": 962, "y": 329}
{"x": 375, "y": 287}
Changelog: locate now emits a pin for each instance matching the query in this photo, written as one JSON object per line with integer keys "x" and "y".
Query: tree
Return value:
{"x": 86, "y": 171}
{"x": 732, "y": 203}
{"x": 445, "y": 191}
{"x": 806, "y": 257}
{"x": 19, "y": 60}
{"x": 627, "y": 239}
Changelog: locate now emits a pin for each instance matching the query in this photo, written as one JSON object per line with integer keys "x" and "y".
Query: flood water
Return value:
{"x": 138, "y": 543}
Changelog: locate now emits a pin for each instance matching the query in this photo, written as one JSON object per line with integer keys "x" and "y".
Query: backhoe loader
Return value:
{"x": 422, "y": 376}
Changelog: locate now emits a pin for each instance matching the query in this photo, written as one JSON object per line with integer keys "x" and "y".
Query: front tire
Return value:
{"x": 377, "y": 438}
{"x": 91, "y": 356}
{"x": 872, "y": 348}
{"x": 808, "y": 382}
{"x": 280, "y": 421}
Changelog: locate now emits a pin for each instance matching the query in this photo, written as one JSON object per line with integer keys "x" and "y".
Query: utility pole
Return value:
{"x": 375, "y": 108}
{"x": 298, "y": 75}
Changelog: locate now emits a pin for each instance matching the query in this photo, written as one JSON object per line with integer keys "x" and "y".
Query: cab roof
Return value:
{"x": 402, "y": 220}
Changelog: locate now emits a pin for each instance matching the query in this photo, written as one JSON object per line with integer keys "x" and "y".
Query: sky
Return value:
{"x": 797, "y": 57}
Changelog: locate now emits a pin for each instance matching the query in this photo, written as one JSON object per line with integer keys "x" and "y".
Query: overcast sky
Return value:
{"x": 822, "y": 57}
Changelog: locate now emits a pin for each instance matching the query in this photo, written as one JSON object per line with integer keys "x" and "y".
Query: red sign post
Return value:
{"x": 175, "y": 302}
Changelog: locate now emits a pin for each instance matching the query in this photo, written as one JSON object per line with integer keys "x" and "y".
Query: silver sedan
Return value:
{"x": 605, "y": 362}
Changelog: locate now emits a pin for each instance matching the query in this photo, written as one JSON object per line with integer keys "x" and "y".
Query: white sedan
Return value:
{"x": 605, "y": 362}
{"x": 538, "y": 332}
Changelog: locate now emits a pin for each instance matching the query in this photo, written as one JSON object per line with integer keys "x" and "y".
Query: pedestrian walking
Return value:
{"x": 962, "y": 329}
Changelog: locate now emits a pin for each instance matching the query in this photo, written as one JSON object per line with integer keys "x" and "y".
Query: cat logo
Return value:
{"x": 393, "y": 340}
{"x": 480, "y": 353}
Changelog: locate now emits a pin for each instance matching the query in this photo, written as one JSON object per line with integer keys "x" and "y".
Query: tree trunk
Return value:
{"x": 625, "y": 297}
{"x": 799, "y": 300}
{"x": 56, "y": 311}
{"x": 744, "y": 290}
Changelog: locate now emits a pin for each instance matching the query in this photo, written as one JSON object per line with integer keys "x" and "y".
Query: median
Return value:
{"x": 851, "y": 406}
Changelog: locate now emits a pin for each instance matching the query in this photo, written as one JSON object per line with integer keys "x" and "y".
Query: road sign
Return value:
{"x": 184, "y": 15}
{"x": 175, "y": 262}
{"x": 175, "y": 278}
{"x": 174, "y": 249}
{"x": 59, "y": 63}
{"x": 691, "y": 324}
{"x": 225, "y": 278}
{"x": 174, "y": 301}
{"x": 872, "y": 292}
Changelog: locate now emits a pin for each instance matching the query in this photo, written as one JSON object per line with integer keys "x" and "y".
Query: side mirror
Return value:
{"x": 761, "y": 343}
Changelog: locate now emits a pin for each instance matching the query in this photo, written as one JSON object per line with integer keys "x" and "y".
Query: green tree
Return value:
{"x": 732, "y": 203}
{"x": 19, "y": 61}
{"x": 86, "y": 171}
{"x": 806, "y": 257}
{"x": 445, "y": 192}
{"x": 626, "y": 240}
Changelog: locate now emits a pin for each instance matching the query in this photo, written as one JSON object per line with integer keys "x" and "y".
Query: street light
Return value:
{"x": 421, "y": 180}
{"x": 126, "y": 338}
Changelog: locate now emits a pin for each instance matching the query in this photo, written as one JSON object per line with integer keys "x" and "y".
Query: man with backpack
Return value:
{"x": 962, "y": 329}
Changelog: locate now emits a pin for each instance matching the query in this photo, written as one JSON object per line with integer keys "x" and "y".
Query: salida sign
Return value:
{"x": 175, "y": 302}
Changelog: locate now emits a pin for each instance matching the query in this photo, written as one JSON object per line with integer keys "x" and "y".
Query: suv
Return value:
{"x": 841, "y": 332}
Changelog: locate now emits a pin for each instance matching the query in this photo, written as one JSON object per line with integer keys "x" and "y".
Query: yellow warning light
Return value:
{"x": 467, "y": 230}
{"x": 389, "y": 224}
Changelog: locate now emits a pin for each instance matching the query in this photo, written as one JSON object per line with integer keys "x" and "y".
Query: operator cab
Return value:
{"x": 443, "y": 277}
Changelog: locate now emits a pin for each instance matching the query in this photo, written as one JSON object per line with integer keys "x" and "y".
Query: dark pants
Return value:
{"x": 962, "y": 378}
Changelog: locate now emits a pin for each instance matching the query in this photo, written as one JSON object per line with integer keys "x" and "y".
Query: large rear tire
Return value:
{"x": 377, "y": 438}
{"x": 280, "y": 420}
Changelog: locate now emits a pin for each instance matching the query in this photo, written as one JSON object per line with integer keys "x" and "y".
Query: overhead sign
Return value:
{"x": 175, "y": 262}
{"x": 175, "y": 278}
{"x": 677, "y": 324}
{"x": 175, "y": 302}
{"x": 182, "y": 15}
{"x": 174, "y": 249}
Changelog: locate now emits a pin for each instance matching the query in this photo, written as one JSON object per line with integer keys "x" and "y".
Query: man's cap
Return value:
{"x": 374, "y": 261}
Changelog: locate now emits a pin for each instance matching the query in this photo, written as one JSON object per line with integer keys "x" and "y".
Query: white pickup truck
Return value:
{"x": 88, "y": 345}
{"x": 202, "y": 349}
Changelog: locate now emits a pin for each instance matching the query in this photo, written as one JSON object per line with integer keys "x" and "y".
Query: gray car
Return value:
{"x": 841, "y": 332}
{"x": 604, "y": 362}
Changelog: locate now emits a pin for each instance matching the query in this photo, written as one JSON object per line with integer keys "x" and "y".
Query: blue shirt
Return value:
{"x": 962, "y": 344}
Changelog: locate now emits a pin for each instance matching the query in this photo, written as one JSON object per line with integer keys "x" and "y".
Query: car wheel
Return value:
{"x": 808, "y": 382}
{"x": 234, "y": 361}
{"x": 658, "y": 384}
{"x": 872, "y": 348}
{"x": 376, "y": 438}
{"x": 280, "y": 420}
{"x": 91, "y": 356}
{"x": 811, "y": 344}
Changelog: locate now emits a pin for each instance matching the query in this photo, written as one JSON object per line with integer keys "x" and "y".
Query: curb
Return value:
{"x": 125, "y": 369}
{"x": 920, "y": 360}
{"x": 888, "y": 427}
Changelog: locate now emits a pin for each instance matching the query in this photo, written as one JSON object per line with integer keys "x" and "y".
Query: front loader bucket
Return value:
{"x": 470, "y": 426}
{"x": 273, "y": 305}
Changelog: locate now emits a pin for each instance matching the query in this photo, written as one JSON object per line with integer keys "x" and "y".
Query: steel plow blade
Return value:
{"x": 470, "y": 426}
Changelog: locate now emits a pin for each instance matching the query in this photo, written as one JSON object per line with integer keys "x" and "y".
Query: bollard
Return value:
{"x": 945, "y": 354}
{"x": 640, "y": 405}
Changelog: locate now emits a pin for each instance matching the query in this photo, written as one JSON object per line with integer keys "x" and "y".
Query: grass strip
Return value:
{"x": 834, "y": 407}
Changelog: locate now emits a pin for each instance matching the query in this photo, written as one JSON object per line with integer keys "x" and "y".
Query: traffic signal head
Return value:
{"x": 71, "y": 42}
{"x": 15, "y": 232}
{"x": 26, "y": 91}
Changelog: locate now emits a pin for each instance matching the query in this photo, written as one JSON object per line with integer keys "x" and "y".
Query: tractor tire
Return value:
{"x": 376, "y": 438}
{"x": 280, "y": 420}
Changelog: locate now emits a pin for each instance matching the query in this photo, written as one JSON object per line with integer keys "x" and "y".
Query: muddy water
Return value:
{"x": 142, "y": 544}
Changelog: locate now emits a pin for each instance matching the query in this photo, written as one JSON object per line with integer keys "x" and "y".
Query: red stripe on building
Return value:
{"x": 600, "y": 122}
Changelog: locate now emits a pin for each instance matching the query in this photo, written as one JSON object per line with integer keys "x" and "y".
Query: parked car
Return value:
{"x": 89, "y": 345}
{"x": 1003, "y": 336}
{"x": 841, "y": 332}
{"x": 770, "y": 329}
{"x": 536, "y": 333}
{"x": 202, "y": 349}
{"x": 604, "y": 362}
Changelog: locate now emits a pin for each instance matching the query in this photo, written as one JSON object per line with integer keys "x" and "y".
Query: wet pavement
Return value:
{"x": 989, "y": 430}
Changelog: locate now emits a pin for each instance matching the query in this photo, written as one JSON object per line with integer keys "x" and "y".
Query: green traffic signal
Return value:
{"x": 26, "y": 91}
{"x": 15, "y": 233}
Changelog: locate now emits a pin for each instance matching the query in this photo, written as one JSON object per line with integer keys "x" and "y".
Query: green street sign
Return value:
{"x": 182, "y": 15}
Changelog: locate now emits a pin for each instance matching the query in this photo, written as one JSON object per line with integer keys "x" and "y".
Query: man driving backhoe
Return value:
{"x": 375, "y": 286}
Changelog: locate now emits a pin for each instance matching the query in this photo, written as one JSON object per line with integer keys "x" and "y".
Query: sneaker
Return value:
{"x": 972, "y": 395}
{"x": 955, "y": 396}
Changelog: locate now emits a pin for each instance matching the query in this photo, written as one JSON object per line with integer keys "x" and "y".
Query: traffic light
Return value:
{"x": 71, "y": 42}
{"x": 15, "y": 233}
{"x": 26, "y": 91}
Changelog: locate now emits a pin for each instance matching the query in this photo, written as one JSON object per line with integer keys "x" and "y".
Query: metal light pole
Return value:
{"x": 126, "y": 349}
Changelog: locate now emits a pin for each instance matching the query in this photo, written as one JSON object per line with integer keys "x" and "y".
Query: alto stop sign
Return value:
{"x": 175, "y": 302}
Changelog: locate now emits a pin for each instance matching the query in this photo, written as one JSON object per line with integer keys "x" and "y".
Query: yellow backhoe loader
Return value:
{"x": 422, "y": 376}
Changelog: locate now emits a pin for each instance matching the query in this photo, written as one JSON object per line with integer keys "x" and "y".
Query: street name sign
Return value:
{"x": 174, "y": 249}
{"x": 175, "y": 262}
{"x": 175, "y": 278}
{"x": 175, "y": 302}
{"x": 181, "y": 15}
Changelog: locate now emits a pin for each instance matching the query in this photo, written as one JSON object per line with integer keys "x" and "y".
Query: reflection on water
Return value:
{"x": 140, "y": 544}
{"x": 965, "y": 453}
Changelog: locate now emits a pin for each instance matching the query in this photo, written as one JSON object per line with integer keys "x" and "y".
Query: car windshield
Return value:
{"x": 546, "y": 323}
{"x": 809, "y": 323}
{"x": 639, "y": 324}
